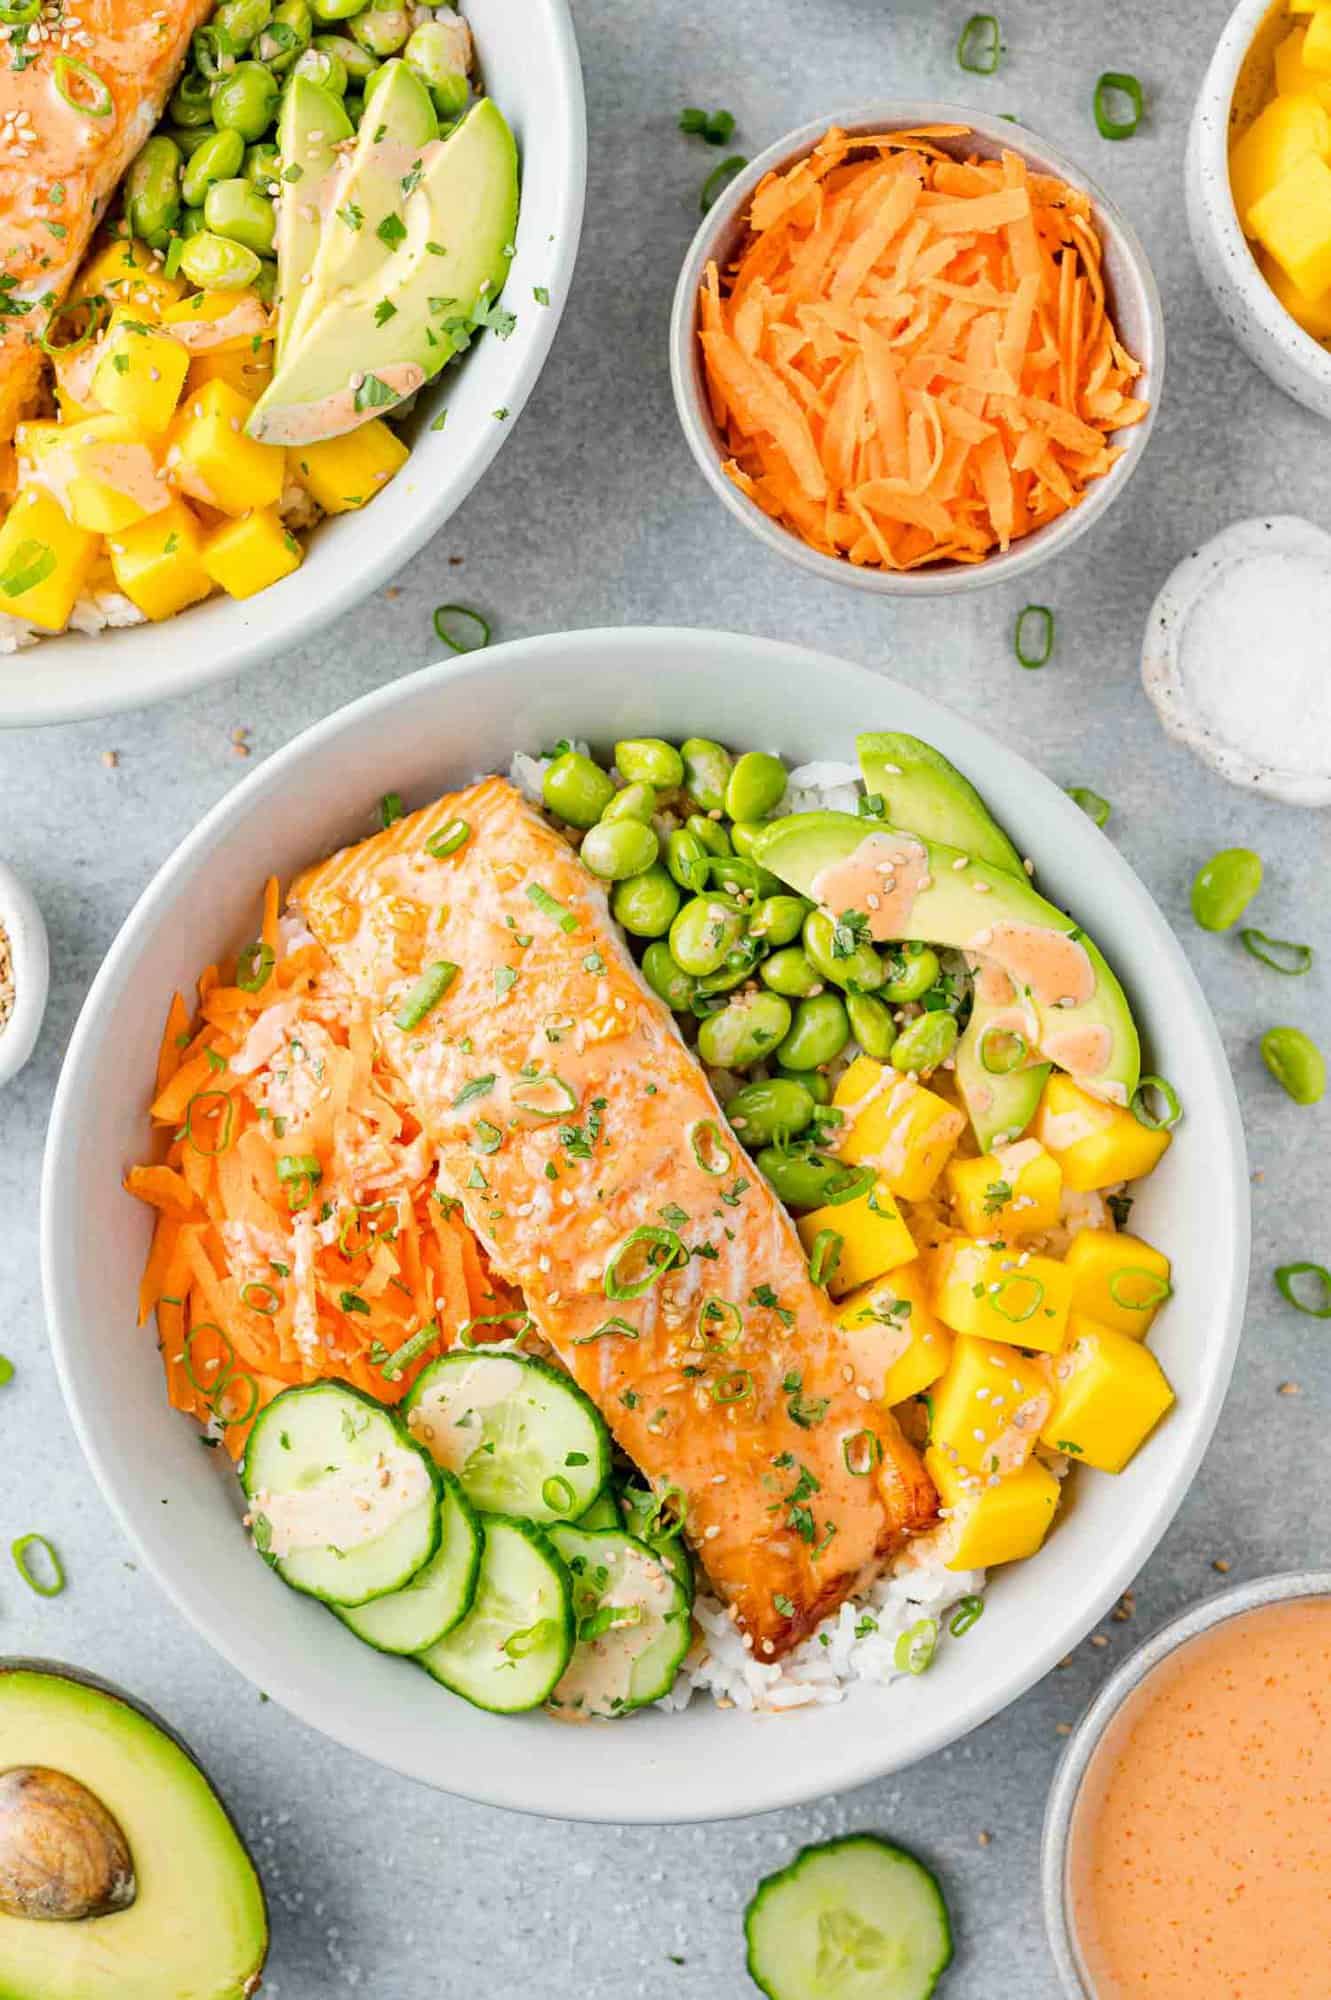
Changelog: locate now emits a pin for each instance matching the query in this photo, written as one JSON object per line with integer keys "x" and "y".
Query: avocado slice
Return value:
{"x": 943, "y": 896}
{"x": 391, "y": 324}
{"x": 78, "y": 1758}
{"x": 921, "y": 790}
{"x": 311, "y": 125}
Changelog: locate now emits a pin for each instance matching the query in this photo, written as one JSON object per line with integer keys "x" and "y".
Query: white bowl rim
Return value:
{"x": 109, "y": 692}
{"x": 776, "y": 1782}
{"x": 900, "y": 114}
{"x": 23, "y": 925}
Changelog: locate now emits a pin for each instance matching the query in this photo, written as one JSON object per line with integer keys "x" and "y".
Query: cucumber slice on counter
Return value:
{"x": 515, "y": 1642}
{"x": 520, "y": 1435}
{"x": 633, "y": 1623}
{"x": 851, "y": 1919}
{"x": 603, "y": 1513}
{"x": 642, "y": 1517}
{"x": 438, "y": 1596}
{"x": 321, "y": 1448}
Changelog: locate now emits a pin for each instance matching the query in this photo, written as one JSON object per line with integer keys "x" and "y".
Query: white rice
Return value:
{"x": 823, "y": 786}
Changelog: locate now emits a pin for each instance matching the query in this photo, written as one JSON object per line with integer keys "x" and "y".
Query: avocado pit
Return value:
{"x": 63, "y": 1856}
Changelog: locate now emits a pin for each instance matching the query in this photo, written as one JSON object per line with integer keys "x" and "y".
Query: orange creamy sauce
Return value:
{"x": 1200, "y": 1855}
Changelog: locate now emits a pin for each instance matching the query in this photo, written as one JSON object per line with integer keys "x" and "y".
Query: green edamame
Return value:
{"x": 707, "y": 769}
{"x": 632, "y": 802}
{"x": 190, "y": 223}
{"x": 152, "y": 187}
{"x": 263, "y": 167}
{"x": 744, "y": 1031}
{"x": 817, "y": 1085}
{"x": 687, "y": 859}
{"x": 928, "y": 1041}
{"x": 744, "y": 835}
{"x": 911, "y": 970}
{"x": 809, "y": 1180}
{"x": 820, "y": 1031}
{"x": 646, "y": 904}
{"x": 354, "y": 105}
{"x": 382, "y": 29}
{"x": 1296, "y": 1063}
{"x": 710, "y": 832}
{"x": 433, "y": 53}
{"x": 675, "y": 986}
{"x": 246, "y": 101}
{"x": 871, "y": 1024}
{"x": 323, "y": 67}
{"x": 764, "y": 1112}
{"x": 1224, "y": 886}
{"x": 778, "y": 918}
{"x": 211, "y": 52}
{"x": 838, "y": 957}
{"x": 358, "y": 63}
{"x": 236, "y": 210}
{"x": 756, "y": 784}
{"x": 576, "y": 789}
{"x": 265, "y": 284}
{"x": 737, "y": 968}
{"x": 287, "y": 34}
{"x": 618, "y": 849}
{"x": 335, "y": 10}
{"x": 215, "y": 263}
{"x": 189, "y": 138}
{"x": 242, "y": 20}
{"x": 648, "y": 760}
{"x": 219, "y": 158}
{"x": 191, "y": 102}
{"x": 704, "y": 933}
{"x": 792, "y": 972}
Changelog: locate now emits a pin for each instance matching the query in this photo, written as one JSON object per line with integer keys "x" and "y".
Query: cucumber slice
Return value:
{"x": 603, "y": 1513}
{"x": 324, "y": 1515}
{"x": 438, "y": 1596}
{"x": 632, "y": 1622}
{"x": 851, "y": 1919}
{"x": 515, "y": 1642}
{"x": 642, "y": 1516}
{"x": 519, "y": 1435}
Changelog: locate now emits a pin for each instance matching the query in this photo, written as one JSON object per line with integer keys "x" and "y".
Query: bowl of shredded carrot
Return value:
{"x": 916, "y": 350}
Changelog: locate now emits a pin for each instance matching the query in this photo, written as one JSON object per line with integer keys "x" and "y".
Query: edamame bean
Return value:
{"x": 706, "y": 772}
{"x": 215, "y": 263}
{"x": 354, "y": 106}
{"x": 756, "y": 784}
{"x": 744, "y": 834}
{"x": 924, "y": 1044}
{"x": 235, "y": 209}
{"x": 263, "y": 167}
{"x": 241, "y": 20}
{"x": 743, "y": 1032}
{"x": 777, "y": 1109}
{"x": 687, "y": 859}
{"x": 321, "y": 66}
{"x": 817, "y": 1085}
{"x": 779, "y": 918}
{"x": 649, "y": 760}
{"x": 632, "y": 802}
{"x": 286, "y": 36}
{"x": 838, "y": 957}
{"x": 191, "y": 102}
{"x": 820, "y": 1031}
{"x": 618, "y": 849}
{"x": 382, "y": 29}
{"x": 434, "y": 53}
{"x": 1224, "y": 886}
{"x": 710, "y": 832}
{"x": 358, "y": 63}
{"x": 706, "y": 930}
{"x": 872, "y": 1025}
{"x": 217, "y": 159}
{"x": 675, "y": 986}
{"x": 912, "y": 969}
{"x": 646, "y": 904}
{"x": 152, "y": 187}
{"x": 807, "y": 1180}
{"x": 737, "y": 968}
{"x": 576, "y": 789}
{"x": 191, "y": 222}
{"x": 265, "y": 285}
{"x": 211, "y": 52}
{"x": 335, "y": 10}
{"x": 189, "y": 138}
{"x": 1296, "y": 1063}
{"x": 792, "y": 972}
{"x": 246, "y": 101}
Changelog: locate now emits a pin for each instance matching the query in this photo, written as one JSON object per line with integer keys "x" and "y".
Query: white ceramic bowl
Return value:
{"x": 1133, "y": 298}
{"x": 29, "y": 954}
{"x": 1295, "y": 362}
{"x": 529, "y": 60}
{"x": 440, "y": 728}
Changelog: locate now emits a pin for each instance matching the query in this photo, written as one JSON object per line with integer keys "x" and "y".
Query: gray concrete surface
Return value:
{"x": 595, "y": 515}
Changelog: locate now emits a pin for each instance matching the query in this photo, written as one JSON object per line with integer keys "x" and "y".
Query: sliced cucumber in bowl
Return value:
{"x": 515, "y": 1642}
{"x": 644, "y": 1516}
{"x": 438, "y": 1597}
{"x": 520, "y": 1436}
{"x": 632, "y": 1621}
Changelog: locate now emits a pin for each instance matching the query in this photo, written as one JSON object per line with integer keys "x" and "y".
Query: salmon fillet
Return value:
{"x": 60, "y": 165}
{"x": 569, "y": 1114}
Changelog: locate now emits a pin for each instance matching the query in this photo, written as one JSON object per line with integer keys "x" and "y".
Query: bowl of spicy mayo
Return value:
{"x": 1187, "y": 1839}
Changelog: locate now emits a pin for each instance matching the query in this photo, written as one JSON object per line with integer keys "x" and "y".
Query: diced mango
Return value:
{"x": 1306, "y": 6}
{"x": 892, "y": 1330}
{"x": 994, "y": 1524}
{"x": 197, "y": 315}
{"x": 1096, "y": 1144}
{"x": 1293, "y": 76}
{"x": 1003, "y": 1295}
{"x": 44, "y": 560}
{"x": 247, "y": 555}
{"x": 158, "y": 563}
{"x": 1293, "y": 222}
{"x": 33, "y": 442}
{"x": 342, "y": 473}
{"x": 1013, "y": 1191}
{"x": 249, "y": 369}
{"x": 1317, "y": 43}
{"x": 112, "y": 474}
{"x": 989, "y": 1408}
{"x": 211, "y": 459}
{"x": 902, "y": 1129}
{"x": 874, "y": 1237}
{"x": 1109, "y": 1394}
{"x": 140, "y": 373}
{"x": 1117, "y": 1279}
{"x": 1278, "y": 138}
{"x": 1313, "y": 315}
{"x": 124, "y": 273}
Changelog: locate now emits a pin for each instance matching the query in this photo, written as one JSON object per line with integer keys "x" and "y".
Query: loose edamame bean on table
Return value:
{"x": 838, "y": 957}
{"x": 1296, "y": 1063}
{"x": 650, "y": 760}
{"x": 779, "y": 1108}
{"x": 632, "y": 802}
{"x": 219, "y": 158}
{"x": 911, "y": 970}
{"x": 617, "y": 849}
{"x": 820, "y": 1031}
{"x": 675, "y": 986}
{"x": 152, "y": 187}
{"x": 928, "y": 1041}
{"x": 687, "y": 859}
{"x": 756, "y": 783}
{"x": 1224, "y": 886}
{"x": 215, "y": 263}
{"x": 744, "y": 1031}
{"x": 645, "y": 904}
{"x": 792, "y": 972}
{"x": 246, "y": 100}
{"x": 706, "y": 772}
{"x": 706, "y": 930}
{"x": 871, "y": 1024}
{"x": 576, "y": 789}
{"x": 238, "y": 211}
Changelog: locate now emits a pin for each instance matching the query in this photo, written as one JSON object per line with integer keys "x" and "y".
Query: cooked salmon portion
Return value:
{"x": 80, "y": 91}
{"x": 594, "y": 1163}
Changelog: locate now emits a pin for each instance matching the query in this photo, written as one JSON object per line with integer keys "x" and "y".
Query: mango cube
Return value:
{"x": 111, "y": 472}
{"x": 1013, "y": 1191}
{"x": 124, "y": 273}
{"x": 1109, "y": 1394}
{"x": 140, "y": 373}
{"x": 989, "y": 1408}
{"x": 1317, "y": 43}
{"x": 1293, "y": 76}
{"x": 231, "y": 321}
{"x": 247, "y": 555}
{"x": 212, "y": 460}
{"x": 158, "y": 563}
{"x": 1313, "y": 315}
{"x": 44, "y": 560}
{"x": 34, "y": 442}
{"x": 342, "y": 473}
{"x": 1293, "y": 222}
{"x": 1278, "y": 138}
{"x": 904, "y": 1130}
{"x": 1002, "y": 1295}
{"x": 1003, "y": 1522}
{"x": 874, "y": 1237}
{"x": 892, "y": 1332}
{"x": 249, "y": 369}
{"x": 1096, "y": 1144}
{"x": 1117, "y": 1279}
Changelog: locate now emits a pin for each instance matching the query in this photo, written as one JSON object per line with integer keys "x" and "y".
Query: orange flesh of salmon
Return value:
{"x": 60, "y": 167}
{"x": 756, "y": 1434}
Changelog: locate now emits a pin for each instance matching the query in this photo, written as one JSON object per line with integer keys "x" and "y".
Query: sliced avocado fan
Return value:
{"x": 312, "y": 124}
{"x": 923, "y": 792}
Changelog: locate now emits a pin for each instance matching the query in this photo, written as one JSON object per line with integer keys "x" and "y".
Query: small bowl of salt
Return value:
{"x": 1237, "y": 657}
{"x": 25, "y": 973}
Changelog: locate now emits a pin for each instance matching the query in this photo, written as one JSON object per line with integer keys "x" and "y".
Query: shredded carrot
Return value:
{"x": 911, "y": 358}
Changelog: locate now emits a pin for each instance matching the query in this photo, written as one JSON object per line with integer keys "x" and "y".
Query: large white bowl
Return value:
{"x": 439, "y": 728}
{"x": 529, "y": 59}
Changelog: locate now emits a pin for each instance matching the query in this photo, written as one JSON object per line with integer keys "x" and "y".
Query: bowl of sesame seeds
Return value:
{"x": 24, "y": 973}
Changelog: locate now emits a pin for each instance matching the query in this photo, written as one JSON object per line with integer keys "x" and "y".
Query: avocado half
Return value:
{"x": 188, "y": 1921}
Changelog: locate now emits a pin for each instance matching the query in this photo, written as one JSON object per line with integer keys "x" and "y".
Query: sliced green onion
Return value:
{"x": 175, "y": 250}
{"x": 6, "y": 1370}
{"x": 558, "y": 1495}
{"x": 391, "y": 809}
{"x": 1285, "y": 1277}
{"x": 299, "y": 1167}
{"x": 1149, "y": 1294}
{"x": 223, "y": 1388}
{"x": 1002, "y": 1050}
{"x": 254, "y": 966}
{"x": 1118, "y": 83}
{"x": 71, "y": 76}
{"x": 915, "y": 1649}
{"x": 227, "y": 1118}
{"x": 224, "y": 1367}
{"x": 855, "y": 1182}
{"x": 1034, "y": 651}
{"x": 609, "y": 1329}
{"x": 31, "y": 563}
{"x": 1298, "y": 957}
{"x": 1141, "y": 1105}
{"x": 1017, "y": 1278}
{"x": 1094, "y": 807}
{"x": 720, "y": 179}
{"x": 410, "y": 1350}
{"x": 461, "y": 642}
{"x": 825, "y": 1256}
{"x": 862, "y": 1451}
{"x": 466, "y": 1332}
{"x": 662, "y": 1250}
{"x": 261, "y": 1297}
{"x": 43, "y": 1587}
{"x": 968, "y": 1612}
{"x": 351, "y": 1220}
{"x": 547, "y": 1096}
{"x": 97, "y": 311}
{"x": 449, "y": 839}
{"x": 720, "y": 1324}
{"x": 709, "y": 1148}
{"x": 550, "y": 906}
{"x": 19, "y": 13}
{"x": 520, "y": 1645}
{"x": 668, "y": 1515}
{"x": 607, "y": 1618}
{"x": 979, "y": 45}
{"x": 426, "y": 994}
{"x": 732, "y": 1388}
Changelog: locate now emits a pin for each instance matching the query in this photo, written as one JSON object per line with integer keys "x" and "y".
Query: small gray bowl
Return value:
{"x": 1133, "y": 298}
{"x": 1090, "y": 1732}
